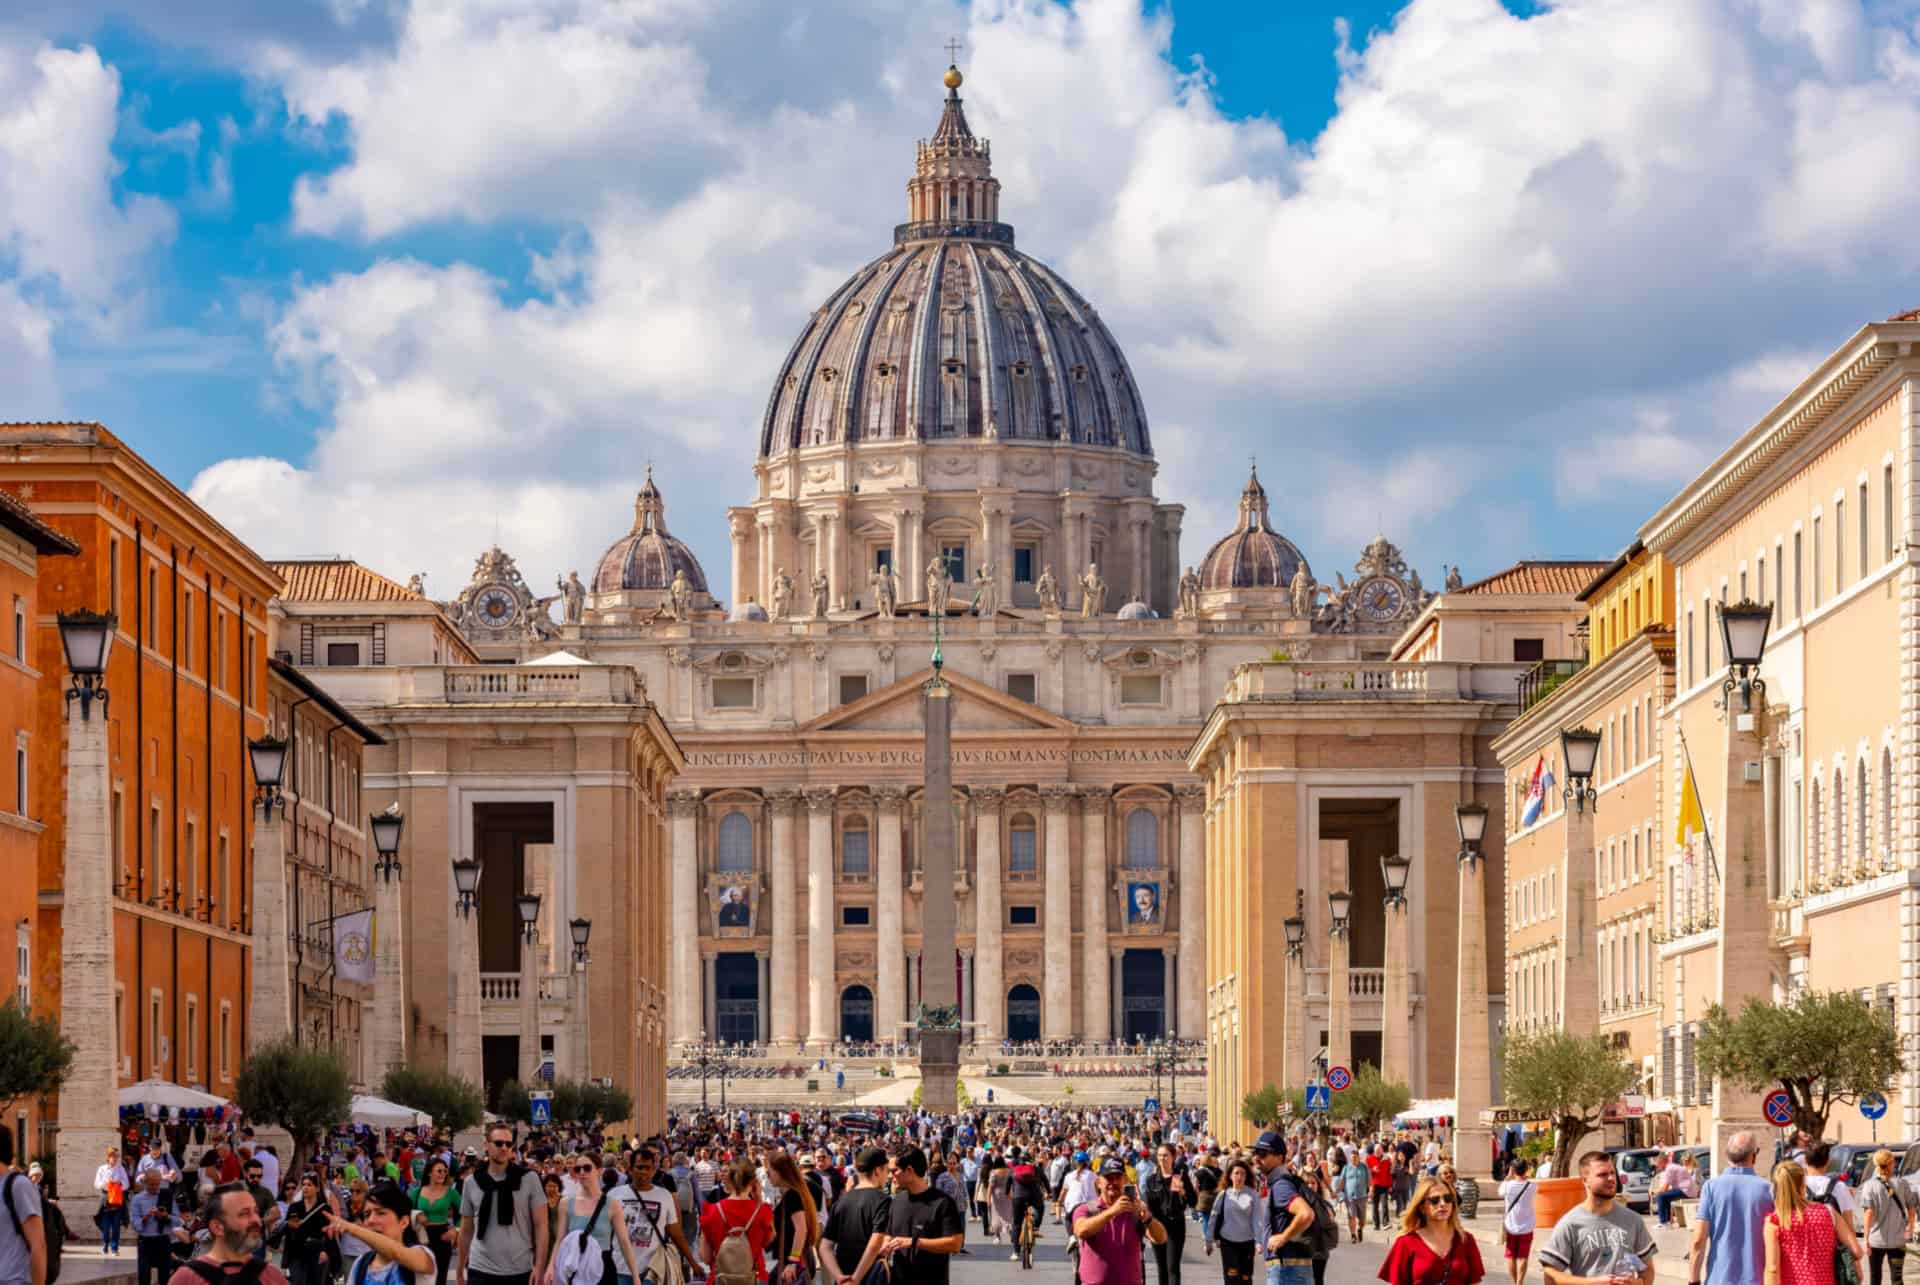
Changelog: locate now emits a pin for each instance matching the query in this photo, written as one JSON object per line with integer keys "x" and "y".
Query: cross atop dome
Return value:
{"x": 953, "y": 192}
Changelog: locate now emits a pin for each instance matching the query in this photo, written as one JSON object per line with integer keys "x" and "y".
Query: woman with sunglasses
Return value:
{"x": 1433, "y": 1248}
{"x": 606, "y": 1230}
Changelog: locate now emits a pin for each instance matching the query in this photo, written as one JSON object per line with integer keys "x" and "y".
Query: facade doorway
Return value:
{"x": 856, "y": 1014}
{"x": 1143, "y": 995}
{"x": 501, "y": 833}
{"x": 1023, "y": 1013}
{"x": 736, "y": 986}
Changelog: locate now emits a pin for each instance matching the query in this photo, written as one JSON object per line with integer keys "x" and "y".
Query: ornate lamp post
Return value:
{"x": 385, "y": 827}
{"x": 87, "y": 638}
{"x": 1396, "y": 1000}
{"x": 1472, "y": 1070}
{"x": 270, "y": 1004}
{"x": 1339, "y": 992}
{"x": 1293, "y": 1056}
{"x": 1743, "y": 637}
{"x": 1580, "y": 754}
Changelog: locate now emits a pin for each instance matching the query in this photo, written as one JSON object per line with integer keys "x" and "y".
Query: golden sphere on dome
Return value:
{"x": 953, "y": 78}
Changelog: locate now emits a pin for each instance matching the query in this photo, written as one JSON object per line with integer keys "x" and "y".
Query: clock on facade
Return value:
{"x": 1382, "y": 599}
{"x": 496, "y": 606}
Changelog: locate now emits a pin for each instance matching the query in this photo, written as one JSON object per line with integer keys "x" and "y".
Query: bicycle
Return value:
{"x": 1026, "y": 1240}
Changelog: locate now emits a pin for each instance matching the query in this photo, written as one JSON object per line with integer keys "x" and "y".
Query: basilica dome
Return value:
{"x": 1253, "y": 555}
{"x": 953, "y": 333}
{"x": 647, "y": 557}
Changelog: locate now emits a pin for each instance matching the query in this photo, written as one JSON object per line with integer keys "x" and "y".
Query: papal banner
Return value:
{"x": 353, "y": 946}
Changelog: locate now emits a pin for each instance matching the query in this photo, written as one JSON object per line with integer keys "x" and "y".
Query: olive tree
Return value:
{"x": 1569, "y": 1079}
{"x": 35, "y": 1058}
{"x": 305, "y": 1089}
{"x": 1823, "y": 1049}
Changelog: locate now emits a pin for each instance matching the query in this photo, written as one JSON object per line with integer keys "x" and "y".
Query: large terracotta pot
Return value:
{"x": 1553, "y": 1197}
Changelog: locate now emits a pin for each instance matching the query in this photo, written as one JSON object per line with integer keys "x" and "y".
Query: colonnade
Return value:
{"x": 1079, "y": 955}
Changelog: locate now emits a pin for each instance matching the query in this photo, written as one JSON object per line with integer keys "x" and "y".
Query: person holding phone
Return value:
{"x": 306, "y": 1252}
{"x": 1110, "y": 1229}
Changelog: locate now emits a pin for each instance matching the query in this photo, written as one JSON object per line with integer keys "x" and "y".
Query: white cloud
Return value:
{"x": 1623, "y": 221}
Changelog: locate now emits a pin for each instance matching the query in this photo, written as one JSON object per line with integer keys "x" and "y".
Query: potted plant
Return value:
{"x": 1568, "y": 1080}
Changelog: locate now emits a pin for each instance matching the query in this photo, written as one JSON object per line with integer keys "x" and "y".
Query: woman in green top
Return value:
{"x": 433, "y": 1209}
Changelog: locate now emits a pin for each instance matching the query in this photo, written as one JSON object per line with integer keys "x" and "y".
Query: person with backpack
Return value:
{"x": 736, "y": 1228}
{"x": 1289, "y": 1218}
{"x": 235, "y": 1237}
{"x": 393, "y": 1256}
{"x": 23, "y": 1232}
{"x": 1324, "y": 1235}
{"x": 1889, "y": 1218}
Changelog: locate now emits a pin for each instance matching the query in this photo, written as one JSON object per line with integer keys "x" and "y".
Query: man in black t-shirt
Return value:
{"x": 857, "y": 1217}
{"x": 924, "y": 1227}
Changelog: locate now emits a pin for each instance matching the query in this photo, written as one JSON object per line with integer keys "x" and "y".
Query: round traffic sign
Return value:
{"x": 1778, "y": 1109}
{"x": 1873, "y": 1105}
{"x": 1338, "y": 1078}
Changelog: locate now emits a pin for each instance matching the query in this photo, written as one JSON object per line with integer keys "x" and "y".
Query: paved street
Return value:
{"x": 1351, "y": 1265}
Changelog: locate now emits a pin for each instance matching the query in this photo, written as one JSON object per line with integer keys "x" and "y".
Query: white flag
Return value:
{"x": 353, "y": 946}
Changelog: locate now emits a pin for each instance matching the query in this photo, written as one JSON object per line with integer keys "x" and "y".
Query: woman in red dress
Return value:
{"x": 1800, "y": 1234}
{"x": 1433, "y": 1249}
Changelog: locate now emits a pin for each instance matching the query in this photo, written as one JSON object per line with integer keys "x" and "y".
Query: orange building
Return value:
{"x": 24, "y": 540}
{"x": 187, "y": 687}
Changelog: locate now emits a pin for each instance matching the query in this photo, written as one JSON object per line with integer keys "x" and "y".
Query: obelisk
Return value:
{"x": 939, "y": 1011}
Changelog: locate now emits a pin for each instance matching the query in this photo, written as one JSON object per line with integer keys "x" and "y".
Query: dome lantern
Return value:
{"x": 1252, "y": 555}
{"x": 647, "y": 559}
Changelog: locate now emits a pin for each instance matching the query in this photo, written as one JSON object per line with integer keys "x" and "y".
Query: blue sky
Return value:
{"x": 388, "y": 277}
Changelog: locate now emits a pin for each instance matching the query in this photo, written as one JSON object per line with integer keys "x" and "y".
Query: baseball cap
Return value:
{"x": 1270, "y": 1141}
{"x": 1112, "y": 1169}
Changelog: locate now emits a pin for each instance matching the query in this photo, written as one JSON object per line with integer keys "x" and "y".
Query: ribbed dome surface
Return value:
{"x": 1253, "y": 555}
{"x": 647, "y": 556}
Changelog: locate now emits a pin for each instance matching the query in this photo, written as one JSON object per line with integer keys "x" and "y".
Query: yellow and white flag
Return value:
{"x": 353, "y": 946}
{"x": 1692, "y": 819}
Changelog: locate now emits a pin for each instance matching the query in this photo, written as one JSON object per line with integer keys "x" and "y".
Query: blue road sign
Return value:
{"x": 1152, "y": 1105}
{"x": 540, "y": 1107}
{"x": 1778, "y": 1109}
{"x": 1319, "y": 1098}
{"x": 1873, "y": 1105}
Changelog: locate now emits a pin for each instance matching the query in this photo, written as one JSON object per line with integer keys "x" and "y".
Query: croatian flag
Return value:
{"x": 1537, "y": 792}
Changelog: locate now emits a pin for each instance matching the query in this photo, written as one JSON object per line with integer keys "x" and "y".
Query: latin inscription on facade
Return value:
{"x": 911, "y": 757}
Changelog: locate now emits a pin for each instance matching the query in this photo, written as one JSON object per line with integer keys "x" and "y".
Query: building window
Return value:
{"x": 1839, "y": 821}
{"x": 736, "y": 843}
{"x": 1023, "y": 856}
{"x": 152, "y": 896}
{"x": 189, "y": 1054}
{"x": 1022, "y": 687}
{"x": 1839, "y": 545}
{"x": 343, "y": 653}
{"x": 1143, "y": 840}
{"x": 854, "y": 856}
{"x": 1886, "y": 804}
{"x": 1864, "y": 533}
{"x": 220, "y": 880}
{"x": 20, "y": 776}
{"x": 1529, "y": 649}
{"x": 956, "y": 559}
{"x": 188, "y": 873}
{"x": 186, "y": 629}
{"x": 733, "y": 693}
{"x": 853, "y": 687}
{"x": 226, "y": 1041}
{"x": 855, "y": 916}
{"x": 1798, "y": 564}
{"x": 883, "y": 558}
{"x": 1886, "y": 510}
{"x": 1693, "y": 669}
{"x": 1779, "y": 583}
{"x": 1861, "y": 810}
{"x": 20, "y": 629}
{"x": 154, "y": 1038}
{"x": 1140, "y": 689}
{"x": 1815, "y": 857}
{"x": 23, "y": 967}
{"x": 1023, "y": 916}
{"x": 1023, "y": 557}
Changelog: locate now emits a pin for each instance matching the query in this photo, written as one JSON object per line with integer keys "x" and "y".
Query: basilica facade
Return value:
{"x": 955, "y": 456}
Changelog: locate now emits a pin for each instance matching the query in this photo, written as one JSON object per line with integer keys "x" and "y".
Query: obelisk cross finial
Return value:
{"x": 953, "y": 51}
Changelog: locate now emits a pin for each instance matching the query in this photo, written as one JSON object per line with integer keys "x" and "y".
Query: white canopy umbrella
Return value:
{"x": 165, "y": 1093}
{"x": 378, "y": 1113}
{"x": 1424, "y": 1109}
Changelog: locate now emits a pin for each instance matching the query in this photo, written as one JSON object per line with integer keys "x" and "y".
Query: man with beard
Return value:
{"x": 235, "y": 1235}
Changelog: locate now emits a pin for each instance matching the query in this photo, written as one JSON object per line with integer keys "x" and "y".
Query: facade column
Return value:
{"x": 1056, "y": 1008}
{"x": 966, "y": 994}
{"x": 1116, "y": 1005}
{"x": 1138, "y": 526}
{"x": 1579, "y": 998}
{"x": 710, "y": 999}
{"x": 990, "y": 980}
{"x": 1396, "y": 1000}
{"x": 683, "y": 899}
{"x": 765, "y": 569}
{"x": 890, "y": 918}
{"x": 1293, "y": 1023}
{"x": 1777, "y": 881}
{"x": 912, "y": 575}
{"x": 740, "y": 531}
{"x": 1746, "y": 924}
{"x": 1094, "y": 979}
{"x": 270, "y": 994}
{"x": 1472, "y": 1056}
{"x": 90, "y": 1095}
{"x": 763, "y": 1020}
{"x": 786, "y": 921}
{"x": 530, "y": 971}
{"x": 387, "y": 1018}
{"x": 1169, "y": 957}
{"x": 1193, "y": 910}
{"x": 820, "y": 917}
{"x": 836, "y": 570}
{"x": 913, "y": 985}
{"x": 463, "y": 1045}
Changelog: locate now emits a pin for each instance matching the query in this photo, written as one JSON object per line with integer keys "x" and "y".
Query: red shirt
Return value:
{"x": 732, "y": 1213}
{"x": 1412, "y": 1261}
{"x": 1381, "y": 1170}
{"x": 229, "y": 1168}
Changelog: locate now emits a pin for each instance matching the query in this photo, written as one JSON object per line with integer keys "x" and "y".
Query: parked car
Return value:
{"x": 1635, "y": 1166}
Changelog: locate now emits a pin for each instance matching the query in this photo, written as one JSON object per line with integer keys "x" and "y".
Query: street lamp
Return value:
{"x": 1296, "y": 929}
{"x": 1470, "y": 819}
{"x": 528, "y": 904}
{"x": 385, "y": 828}
{"x": 1340, "y": 906}
{"x": 581, "y": 930}
{"x": 87, "y": 637}
{"x": 466, "y": 880}
{"x": 1743, "y": 636}
{"x": 1393, "y": 874}
{"x": 1580, "y": 751}
{"x": 269, "y": 755}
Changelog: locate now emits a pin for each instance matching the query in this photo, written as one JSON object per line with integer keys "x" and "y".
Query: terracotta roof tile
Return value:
{"x": 1912, "y": 314}
{"x": 338, "y": 580}
{"x": 1568, "y": 578}
{"x": 16, "y": 517}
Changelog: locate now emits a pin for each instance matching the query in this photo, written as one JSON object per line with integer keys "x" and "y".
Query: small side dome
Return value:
{"x": 1253, "y": 555}
{"x": 647, "y": 558}
{"x": 1137, "y": 610}
{"x": 747, "y": 611}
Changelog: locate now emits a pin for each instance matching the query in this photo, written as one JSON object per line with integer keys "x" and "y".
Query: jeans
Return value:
{"x": 1895, "y": 1259}
{"x": 111, "y": 1219}
{"x": 1166, "y": 1258}
{"x": 1290, "y": 1271}
{"x": 1381, "y": 1197}
{"x": 155, "y": 1259}
{"x": 1236, "y": 1261}
{"x": 1664, "y": 1202}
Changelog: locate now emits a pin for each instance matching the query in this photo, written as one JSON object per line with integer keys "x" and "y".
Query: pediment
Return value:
{"x": 976, "y": 708}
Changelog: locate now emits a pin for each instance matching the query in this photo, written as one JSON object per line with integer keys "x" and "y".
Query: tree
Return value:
{"x": 34, "y": 1057}
{"x": 512, "y": 1102}
{"x": 1822, "y": 1049}
{"x": 1570, "y": 1079}
{"x": 1262, "y": 1106}
{"x": 304, "y": 1089}
{"x": 1370, "y": 1099}
{"x": 453, "y": 1102}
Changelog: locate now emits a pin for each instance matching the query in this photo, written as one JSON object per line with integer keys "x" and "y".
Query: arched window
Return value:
{"x": 853, "y": 848}
{"x": 1816, "y": 858}
{"x": 1886, "y": 804}
{"x": 1839, "y": 822}
{"x": 1022, "y": 852}
{"x": 736, "y": 843}
{"x": 1861, "y": 812}
{"x": 1143, "y": 840}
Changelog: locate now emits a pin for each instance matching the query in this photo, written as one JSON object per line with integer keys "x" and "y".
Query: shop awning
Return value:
{"x": 165, "y": 1093}
{"x": 378, "y": 1113}
{"x": 1427, "y": 1109}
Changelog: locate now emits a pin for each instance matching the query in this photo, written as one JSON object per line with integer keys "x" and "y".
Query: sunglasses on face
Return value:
{"x": 583, "y": 1168}
{"x": 1439, "y": 1200}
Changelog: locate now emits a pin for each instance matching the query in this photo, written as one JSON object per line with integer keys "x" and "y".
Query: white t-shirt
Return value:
{"x": 1078, "y": 1188}
{"x": 666, "y": 1212}
{"x": 269, "y": 1168}
{"x": 1517, "y": 1195}
{"x": 1817, "y": 1184}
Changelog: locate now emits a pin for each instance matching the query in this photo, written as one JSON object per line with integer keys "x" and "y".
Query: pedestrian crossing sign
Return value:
{"x": 1319, "y": 1098}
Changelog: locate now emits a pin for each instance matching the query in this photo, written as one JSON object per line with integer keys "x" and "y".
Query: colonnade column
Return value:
{"x": 1193, "y": 910}
{"x": 683, "y": 810}
{"x": 966, "y": 992}
{"x": 890, "y": 923}
{"x": 763, "y": 1021}
{"x": 913, "y": 984}
{"x": 710, "y": 999}
{"x": 765, "y": 569}
{"x": 836, "y": 570}
{"x": 909, "y": 560}
{"x": 1056, "y": 1009}
{"x": 1169, "y": 956}
{"x": 1117, "y": 1005}
{"x": 1094, "y": 979}
{"x": 820, "y": 990}
{"x": 786, "y": 944}
{"x": 989, "y": 979}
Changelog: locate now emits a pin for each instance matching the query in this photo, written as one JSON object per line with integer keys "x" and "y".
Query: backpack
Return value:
{"x": 53, "y": 1226}
{"x": 733, "y": 1261}
{"x": 578, "y": 1261}
{"x": 1324, "y": 1235}
{"x": 213, "y": 1274}
{"x": 357, "y": 1274}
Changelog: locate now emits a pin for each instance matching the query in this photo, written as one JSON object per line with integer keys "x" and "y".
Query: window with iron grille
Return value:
{"x": 1669, "y": 1050}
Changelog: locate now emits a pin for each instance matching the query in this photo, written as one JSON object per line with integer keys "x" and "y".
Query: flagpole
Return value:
{"x": 1706, "y": 827}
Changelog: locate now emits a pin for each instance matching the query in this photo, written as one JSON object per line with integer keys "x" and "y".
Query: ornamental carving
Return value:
{"x": 1028, "y": 464}
{"x": 679, "y": 656}
{"x": 954, "y": 465}
{"x": 852, "y": 960}
{"x": 683, "y": 803}
{"x": 820, "y": 473}
{"x": 880, "y": 468}
{"x": 1023, "y": 959}
{"x": 884, "y": 651}
{"x": 987, "y": 650}
{"x": 733, "y": 661}
{"x": 818, "y": 651}
{"x": 1054, "y": 649}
